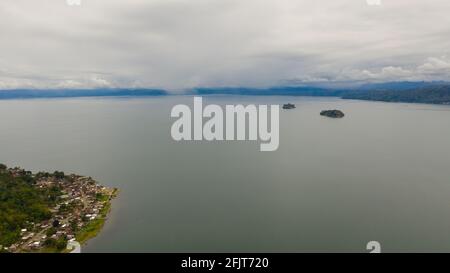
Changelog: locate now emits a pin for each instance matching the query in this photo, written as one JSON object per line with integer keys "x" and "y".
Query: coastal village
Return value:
{"x": 80, "y": 210}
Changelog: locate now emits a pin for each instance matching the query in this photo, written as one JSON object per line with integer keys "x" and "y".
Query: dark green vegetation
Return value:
{"x": 55, "y": 244}
{"x": 332, "y": 113}
{"x": 21, "y": 203}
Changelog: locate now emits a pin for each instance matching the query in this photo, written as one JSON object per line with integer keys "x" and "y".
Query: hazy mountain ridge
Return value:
{"x": 403, "y": 85}
{"x": 435, "y": 94}
{"x": 406, "y": 91}
{"x": 71, "y": 93}
{"x": 272, "y": 91}
{"x": 416, "y": 92}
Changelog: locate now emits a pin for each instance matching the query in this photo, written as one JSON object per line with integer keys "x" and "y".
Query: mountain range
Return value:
{"x": 406, "y": 91}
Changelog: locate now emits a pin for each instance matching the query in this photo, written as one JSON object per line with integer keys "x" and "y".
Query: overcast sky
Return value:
{"x": 177, "y": 44}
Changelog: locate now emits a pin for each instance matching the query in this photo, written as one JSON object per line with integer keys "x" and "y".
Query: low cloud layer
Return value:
{"x": 178, "y": 44}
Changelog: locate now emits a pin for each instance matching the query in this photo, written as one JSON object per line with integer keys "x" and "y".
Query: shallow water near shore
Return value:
{"x": 380, "y": 173}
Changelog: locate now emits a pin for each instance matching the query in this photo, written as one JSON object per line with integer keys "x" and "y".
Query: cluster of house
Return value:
{"x": 82, "y": 201}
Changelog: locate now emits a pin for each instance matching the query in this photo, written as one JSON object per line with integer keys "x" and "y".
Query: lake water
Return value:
{"x": 381, "y": 173}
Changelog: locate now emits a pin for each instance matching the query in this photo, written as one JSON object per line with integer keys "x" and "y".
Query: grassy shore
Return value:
{"x": 95, "y": 226}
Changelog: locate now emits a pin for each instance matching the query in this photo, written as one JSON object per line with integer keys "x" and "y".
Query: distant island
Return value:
{"x": 43, "y": 212}
{"x": 288, "y": 106}
{"x": 332, "y": 113}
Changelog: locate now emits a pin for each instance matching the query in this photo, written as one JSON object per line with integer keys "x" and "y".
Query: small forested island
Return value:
{"x": 43, "y": 212}
{"x": 332, "y": 113}
{"x": 288, "y": 106}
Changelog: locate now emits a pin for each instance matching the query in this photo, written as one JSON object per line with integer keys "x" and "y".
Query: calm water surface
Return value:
{"x": 381, "y": 173}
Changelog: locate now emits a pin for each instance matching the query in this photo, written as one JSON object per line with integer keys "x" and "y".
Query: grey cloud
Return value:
{"x": 178, "y": 44}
